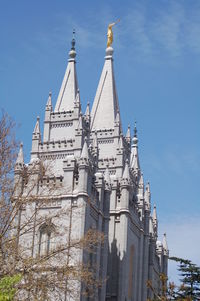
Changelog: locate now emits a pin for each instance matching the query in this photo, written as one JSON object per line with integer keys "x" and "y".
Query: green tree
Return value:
{"x": 188, "y": 290}
{"x": 8, "y": 287}
{"x": 190, "y": 279}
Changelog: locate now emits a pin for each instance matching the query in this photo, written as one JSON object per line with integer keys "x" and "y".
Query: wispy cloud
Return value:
{"x": 168, "y": 29}
{"x": 172, "y": 29}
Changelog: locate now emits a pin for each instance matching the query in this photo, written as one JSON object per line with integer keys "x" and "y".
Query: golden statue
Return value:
{"x": 110, "y": 33}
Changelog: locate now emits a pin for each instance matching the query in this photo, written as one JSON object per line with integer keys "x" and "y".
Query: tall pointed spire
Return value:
{"x": 128, "y": 134}
{"x": 154, "y": 216}
{"x": 165, "y": 245}
{"x": 84, "y": 153}
{"x": 20, "y": 157}
{"x": 135, "y": 164}
{"x": 147, "y": 197}
{"x": 77, "y": 99}
{"x": 80, "y": 123}
{"x": 126, "y": 173}
{"x": 69, "y": 87}
{"x": 36, "y": 131}
{"x": 105, "y": 106}
{"x": 87, "y": 111}
{"x": 120, "y": 143}
{"x": 49, "y": 103}
{"x": 141, "y": 186}
{"x": 155, "y": 221}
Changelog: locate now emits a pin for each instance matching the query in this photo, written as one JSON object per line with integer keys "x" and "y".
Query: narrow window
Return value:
{"x": 45, "y": 239}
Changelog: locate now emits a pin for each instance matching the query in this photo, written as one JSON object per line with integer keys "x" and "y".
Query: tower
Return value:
{"x": 96, "y": 168}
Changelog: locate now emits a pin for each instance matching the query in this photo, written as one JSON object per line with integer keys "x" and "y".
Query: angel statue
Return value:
{"x": 110, "y": 33}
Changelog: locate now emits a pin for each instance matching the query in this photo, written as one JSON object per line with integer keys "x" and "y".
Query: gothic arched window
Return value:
{"x": 46, "y": 239}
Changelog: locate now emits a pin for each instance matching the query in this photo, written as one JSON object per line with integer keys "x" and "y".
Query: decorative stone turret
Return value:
{"x": 83, "y": 168}
{"x": 36, "y": 139}
{"x": 84, "y": 153}
{"x": 125, "y": 185}
{"x": 135, "y": 164}
{"x": 19, "y": 171}
{"x": 147, "y": 197}
{"x": 19, "y": 164}
{"x": 165, "y": 245}
{"x": 117, "y": 125}
{"x": 77, "y": 104}
{"x": 155, "y": 221}
{"x": 128, "y": 134}
{"x": 47, "y": 119}
{"x": 140, "y": 196}
{"x": 49, "y": 103}
{"x": 87, "y": 112}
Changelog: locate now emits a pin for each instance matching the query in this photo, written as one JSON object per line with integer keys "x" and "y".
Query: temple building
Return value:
{"x": 97, "y": 167}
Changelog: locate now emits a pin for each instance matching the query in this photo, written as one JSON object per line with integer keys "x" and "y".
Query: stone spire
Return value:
{"x": 155, "y": 221}
{"x": 128, "y": 134}
{"x": 36, "y": 139}
{"x": 135, "y": 164}
{"x": 120, "y": 142}
{"x": 84, "y": 153}
{"x": 36, "y": 131}
{"x": 126, "y": 174}
{"x": 20, "y": 157}
{"x": 147, "y": 197}
{"x": 154, "y": 214}
{"x": 117, "y": 119}
{"x": 165, "y": 245}
{"x": 69, "y": 87}
{"x": 77, "y": 100}
{"x": 80, "y": 123}
{"x": 87, "y": 111}
{"x": 49, "y": 103}
{"x": 105, "y": 106}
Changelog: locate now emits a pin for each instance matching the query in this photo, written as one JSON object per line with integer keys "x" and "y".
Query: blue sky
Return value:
{"x": 157, "y": 70}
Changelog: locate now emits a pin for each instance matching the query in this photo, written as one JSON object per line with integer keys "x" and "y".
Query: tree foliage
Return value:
{"x": 8, "y": 287}
{"x": 190, "y": 279}
{"x": 188, "y": 290}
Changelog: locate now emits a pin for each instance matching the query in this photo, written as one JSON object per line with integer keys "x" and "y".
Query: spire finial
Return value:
{"x": 73, "y": 40}
{"x": 72, "y": 53}
{"x": 135, "y": 129}
{"x": 135, "y": 139}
